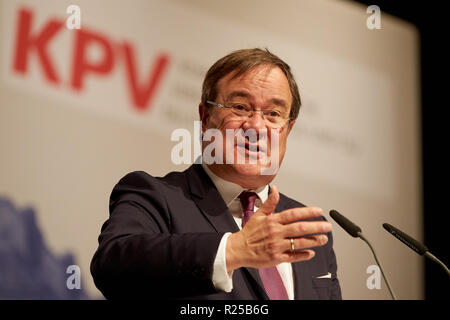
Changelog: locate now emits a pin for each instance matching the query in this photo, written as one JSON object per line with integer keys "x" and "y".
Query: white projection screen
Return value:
{"x": 79, "y": 114}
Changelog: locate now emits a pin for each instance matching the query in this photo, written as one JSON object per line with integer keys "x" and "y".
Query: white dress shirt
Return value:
{"x": 230, "y": 192}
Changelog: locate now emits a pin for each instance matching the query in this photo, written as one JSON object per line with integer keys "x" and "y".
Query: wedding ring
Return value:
{"x": 292, "y": 244}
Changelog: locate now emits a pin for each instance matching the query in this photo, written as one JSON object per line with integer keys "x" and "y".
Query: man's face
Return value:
{"x": 263, "y": 88}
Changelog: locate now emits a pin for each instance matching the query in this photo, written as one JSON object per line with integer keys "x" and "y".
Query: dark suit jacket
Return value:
{"x": 162, "y": 238}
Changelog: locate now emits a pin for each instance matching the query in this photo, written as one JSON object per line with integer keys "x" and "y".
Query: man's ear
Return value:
{"x": 291, "y": 125}
{"x": 203, "y": 112}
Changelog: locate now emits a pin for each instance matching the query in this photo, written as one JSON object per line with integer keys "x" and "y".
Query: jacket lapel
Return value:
{"x": 296, "y": 267}
{"x": 209, "y": 201}
{"x": 212, "y": 206}
{"x": 296, "y": 276}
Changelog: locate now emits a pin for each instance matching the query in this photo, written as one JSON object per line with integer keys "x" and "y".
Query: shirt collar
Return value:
{"x": 229, "y": 190}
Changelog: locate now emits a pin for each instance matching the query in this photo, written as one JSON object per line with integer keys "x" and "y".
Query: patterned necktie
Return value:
{"x": 270, "y": 276}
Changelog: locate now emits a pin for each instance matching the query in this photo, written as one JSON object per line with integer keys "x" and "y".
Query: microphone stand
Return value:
{"x": 432, "y": 257}
{"x": 360, "y": 235}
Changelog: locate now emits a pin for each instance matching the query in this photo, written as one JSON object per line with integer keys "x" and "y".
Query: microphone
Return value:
{"x": 356, "y": 232}
{"x": 346, "y": 224}
{"x": 415, "y": 245}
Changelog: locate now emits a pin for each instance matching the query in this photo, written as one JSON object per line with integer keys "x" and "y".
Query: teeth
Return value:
{"x": 253, "y": 147}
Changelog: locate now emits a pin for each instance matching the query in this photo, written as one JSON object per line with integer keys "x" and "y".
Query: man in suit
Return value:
{"x": 219, "y": 230}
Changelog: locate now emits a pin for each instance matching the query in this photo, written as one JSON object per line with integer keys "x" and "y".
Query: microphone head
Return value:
{"x": 346, "y": 224}
{"x": 403, "y": 237}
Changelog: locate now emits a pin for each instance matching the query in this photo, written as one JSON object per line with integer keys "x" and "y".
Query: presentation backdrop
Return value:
{"x": 80, "y": 108}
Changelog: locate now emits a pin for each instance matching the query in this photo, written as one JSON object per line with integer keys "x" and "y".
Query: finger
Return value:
{"x": 270, "y": 204}
{"x": 306, "y": 242}
{"x": 295, "y": 214}
{"x": 301, "y": 228}
{"x": 297, "y": 256}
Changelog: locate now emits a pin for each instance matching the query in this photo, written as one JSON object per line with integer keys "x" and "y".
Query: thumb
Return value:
{"x": 270, "y": 204}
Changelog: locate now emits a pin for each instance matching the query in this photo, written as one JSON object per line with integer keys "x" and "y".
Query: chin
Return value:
{"x": 248, "y": 169}
{"x": 252, "y": 174}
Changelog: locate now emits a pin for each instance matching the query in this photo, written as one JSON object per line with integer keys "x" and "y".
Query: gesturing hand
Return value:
{"x": 264, "y": 241}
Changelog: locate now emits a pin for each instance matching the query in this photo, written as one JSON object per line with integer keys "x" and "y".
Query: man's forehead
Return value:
{"x": 262, "y": 71}
{"x": 269, "y": 74}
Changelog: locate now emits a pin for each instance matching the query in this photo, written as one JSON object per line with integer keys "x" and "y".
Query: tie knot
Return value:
{"x": 248, "y": 205}
{"x": 248, "y": 200}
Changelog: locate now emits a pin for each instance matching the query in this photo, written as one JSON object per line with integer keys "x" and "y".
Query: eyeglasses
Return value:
{"x": 273, "y": 117}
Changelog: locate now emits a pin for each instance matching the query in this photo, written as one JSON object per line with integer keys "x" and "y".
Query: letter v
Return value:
{"x": 142, "y": 94}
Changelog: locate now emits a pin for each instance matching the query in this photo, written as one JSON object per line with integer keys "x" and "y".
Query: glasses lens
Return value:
{"x": 240, "y": 109}
{"x": 275, "y": 123}
{"x": 272, "y": 118}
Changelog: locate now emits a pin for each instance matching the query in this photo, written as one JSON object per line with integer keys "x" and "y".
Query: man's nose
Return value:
{"x": 255, "y": 121}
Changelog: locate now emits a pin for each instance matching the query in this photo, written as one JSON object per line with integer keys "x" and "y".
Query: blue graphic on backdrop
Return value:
{"x": 28, "y": 270}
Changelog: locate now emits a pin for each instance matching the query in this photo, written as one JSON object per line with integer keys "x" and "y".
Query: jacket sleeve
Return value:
{"x": 139, "y": 257}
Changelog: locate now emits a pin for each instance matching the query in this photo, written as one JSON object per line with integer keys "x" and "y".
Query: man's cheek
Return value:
{"x": 275, "y": 153}
{"x": 229, "y": 147}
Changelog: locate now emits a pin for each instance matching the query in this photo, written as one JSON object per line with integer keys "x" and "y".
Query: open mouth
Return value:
{"x": 258, "y": 148}
{"x": 252, "y": 144}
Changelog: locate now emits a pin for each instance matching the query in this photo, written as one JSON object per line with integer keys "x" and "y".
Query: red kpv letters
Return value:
{"x": 37, "y": 42}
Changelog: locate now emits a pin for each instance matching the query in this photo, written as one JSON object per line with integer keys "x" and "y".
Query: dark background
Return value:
{"x": 429, "y": 17}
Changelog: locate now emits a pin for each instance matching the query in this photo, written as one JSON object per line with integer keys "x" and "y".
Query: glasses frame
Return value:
{"x": 263, "y": 113}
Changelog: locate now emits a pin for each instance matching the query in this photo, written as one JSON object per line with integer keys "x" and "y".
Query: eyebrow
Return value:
{"x": 279, "y": 102}
{"x": 243, "y": 94}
